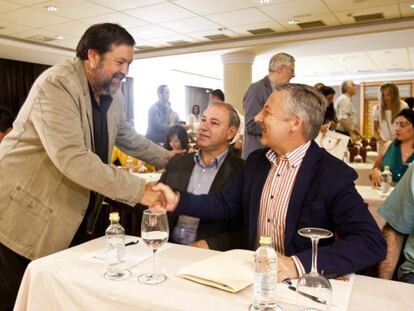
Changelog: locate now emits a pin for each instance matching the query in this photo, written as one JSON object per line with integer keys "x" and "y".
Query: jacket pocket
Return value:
{"x": 25, "y": 218}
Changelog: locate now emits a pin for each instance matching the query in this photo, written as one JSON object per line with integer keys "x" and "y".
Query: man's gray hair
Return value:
{"x": 280, "y": 59}
{"x": 234, "y": 119}
{"x": 306, "y": 103}
{"x": 345, "y": 84}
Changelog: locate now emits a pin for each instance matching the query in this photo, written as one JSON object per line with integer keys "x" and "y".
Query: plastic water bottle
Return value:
{"x": 130, "y": 164}
{"x": 265, "y": 276}
{"x": 386, "y": 180}
{"x": 115, "y": 241}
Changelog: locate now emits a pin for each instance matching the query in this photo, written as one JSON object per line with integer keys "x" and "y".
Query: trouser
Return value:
{"x": 12, "y": 267}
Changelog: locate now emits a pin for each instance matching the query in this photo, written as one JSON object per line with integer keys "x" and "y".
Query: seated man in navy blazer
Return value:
{"x": 207, "y": 171}
{"x": 291, "y": 185}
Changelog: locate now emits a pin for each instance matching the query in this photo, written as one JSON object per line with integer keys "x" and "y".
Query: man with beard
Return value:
{"x": 54, "y": 167}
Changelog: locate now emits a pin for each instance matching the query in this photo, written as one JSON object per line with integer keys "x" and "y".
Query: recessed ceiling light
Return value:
{"x": 293, "y": 22}
{"x": 265, "y": 1}
{"x": 51, "y": 8}
{"x": 412, "y": 6}
{"x": 58, "y": 37}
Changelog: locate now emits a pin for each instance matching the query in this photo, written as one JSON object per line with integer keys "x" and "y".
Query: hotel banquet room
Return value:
{"x": 80, "y": 230}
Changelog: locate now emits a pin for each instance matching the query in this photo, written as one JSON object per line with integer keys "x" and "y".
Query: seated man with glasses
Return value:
{"x": 398, "y": 153}
{"x": 290, "y": 185}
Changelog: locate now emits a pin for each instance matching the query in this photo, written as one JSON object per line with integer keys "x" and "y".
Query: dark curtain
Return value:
{"x": 16, "y": 79}
{"x": 127, "y": 89}
{"x": 196, "y": 96}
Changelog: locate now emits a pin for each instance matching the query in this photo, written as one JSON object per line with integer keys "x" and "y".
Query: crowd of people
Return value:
{"x": 243, "y": 177}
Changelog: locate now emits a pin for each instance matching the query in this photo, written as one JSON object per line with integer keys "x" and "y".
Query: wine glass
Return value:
{"x": 313, "y": 290}
{"x": 154, "y": 232}
{"x": 358, "y": 157}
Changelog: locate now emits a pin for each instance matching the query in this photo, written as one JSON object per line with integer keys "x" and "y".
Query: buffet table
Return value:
{"x": 68, "y": 280}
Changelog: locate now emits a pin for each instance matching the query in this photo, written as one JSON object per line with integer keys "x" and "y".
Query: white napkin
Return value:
{"x": 231, "y": 271}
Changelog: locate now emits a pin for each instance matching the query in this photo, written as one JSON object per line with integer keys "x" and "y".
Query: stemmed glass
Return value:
{"x": 314, "y": 291}
{"x": 154, "y": 232}
{"x": 358, "y": 157}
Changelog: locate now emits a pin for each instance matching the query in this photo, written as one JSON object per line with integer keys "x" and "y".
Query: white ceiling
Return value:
{"x": 157, "y": 23}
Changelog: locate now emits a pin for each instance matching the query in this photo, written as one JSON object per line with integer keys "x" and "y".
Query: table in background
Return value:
{"x": 374, "y": 199}
{"x": 63, "y": 281}
{"x": 363, "y": 170}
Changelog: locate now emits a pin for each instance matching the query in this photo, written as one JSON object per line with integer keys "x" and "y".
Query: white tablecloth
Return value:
{"x": 149, "y": 177}
{"x": 374, "y": 199}
{"x": 64, "y": 281}
{"x": 363, "y": 170}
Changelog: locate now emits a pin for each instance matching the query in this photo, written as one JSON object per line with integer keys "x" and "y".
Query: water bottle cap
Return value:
{"x": 265, "y": 240}
{"x": 114, "y": 216}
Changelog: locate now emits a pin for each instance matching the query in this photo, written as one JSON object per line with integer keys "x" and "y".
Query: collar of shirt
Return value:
{"x": 216, "y": 162}
{"x": 294, "y": 157}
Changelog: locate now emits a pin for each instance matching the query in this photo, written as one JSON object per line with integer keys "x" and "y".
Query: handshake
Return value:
{"x": 160, "y": 196}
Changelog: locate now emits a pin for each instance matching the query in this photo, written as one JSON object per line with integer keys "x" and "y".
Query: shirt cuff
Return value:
{"x": 299, "y": 267}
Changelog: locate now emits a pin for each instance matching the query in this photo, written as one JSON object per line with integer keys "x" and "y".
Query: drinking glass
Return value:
{"x": 314, "y": 291}
{"x": 154, "y": 232}
{"x": 358, "y": 157}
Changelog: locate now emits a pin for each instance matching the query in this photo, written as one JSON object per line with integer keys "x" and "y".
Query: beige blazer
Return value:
{"x": 47, "y": 164}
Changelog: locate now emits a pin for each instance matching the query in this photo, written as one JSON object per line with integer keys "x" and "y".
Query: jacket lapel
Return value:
{"x": 87, "y": 104}
{"x": 258, "y": 177}
{"x": 223, "y": 173}
{"x": 303, "y": 180}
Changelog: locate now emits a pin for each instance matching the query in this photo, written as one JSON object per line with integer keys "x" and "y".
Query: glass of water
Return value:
{"x": 154, "y": 233}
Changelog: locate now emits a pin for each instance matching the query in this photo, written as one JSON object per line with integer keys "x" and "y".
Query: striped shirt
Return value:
{"x": 276, "y": 195}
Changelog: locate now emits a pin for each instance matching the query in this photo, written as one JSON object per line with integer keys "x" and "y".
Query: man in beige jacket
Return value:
{"x": 54, "y": 167}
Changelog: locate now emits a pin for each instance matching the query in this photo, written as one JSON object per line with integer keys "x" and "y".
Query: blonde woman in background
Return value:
{"x": 384, "y": 113}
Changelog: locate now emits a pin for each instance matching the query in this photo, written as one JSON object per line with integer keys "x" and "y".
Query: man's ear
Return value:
{"x": 94, "y": 58}
{"x": 231, "y": 132}
{"x": 296, "y": 124}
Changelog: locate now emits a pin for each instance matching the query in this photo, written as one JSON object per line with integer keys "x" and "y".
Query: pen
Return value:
{"x": 132, "y": 243}
{"x": 312, "y": 297}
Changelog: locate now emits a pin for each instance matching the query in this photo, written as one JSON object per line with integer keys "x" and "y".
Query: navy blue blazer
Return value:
{"x": 324, "y": 196}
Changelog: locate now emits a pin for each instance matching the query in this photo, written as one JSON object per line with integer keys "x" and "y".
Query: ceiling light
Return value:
{"x": 293, "y": 22}
{"x": 51, "y": 8}
{"x": 265, "y": 1}
{"x": 412, "y": 6}
{"x": 58, "y": 37}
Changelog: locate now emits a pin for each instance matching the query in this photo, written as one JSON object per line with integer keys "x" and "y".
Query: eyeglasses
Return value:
{"x": 401, "y": 124}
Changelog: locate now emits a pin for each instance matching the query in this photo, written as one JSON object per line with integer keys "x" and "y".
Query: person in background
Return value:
{"x": 207, "y": 171}
{"x": 217, "y": 95}
{"x": 398, "y": 211}
{"x": 285, "y": 187}
{"x": 177, "y": 138}
{"x": 318, "y": 86}
{"x": 281, "y": 70}
{"x": 121, "y": 159}
{"x": 160, "y": 116}
{"x": 6, "y": 122}
{"x": 410, "y": 102}
{"x": 399, "y": 153}
{"x": 194, "y": 118}
{"x": 385, "y": 112}
{"x": 345, "y": 111}
{"x": 54, "y": 164}
{"x": 330, "y": 116}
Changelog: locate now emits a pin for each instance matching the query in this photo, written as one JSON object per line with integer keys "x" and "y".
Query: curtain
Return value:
{"x": 127, "y": 89}
{"x": 196, "y": 96}
{"x": 16, "y": 79}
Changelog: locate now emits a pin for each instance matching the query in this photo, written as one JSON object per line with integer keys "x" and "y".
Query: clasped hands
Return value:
{"x": 160, "y": 196}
